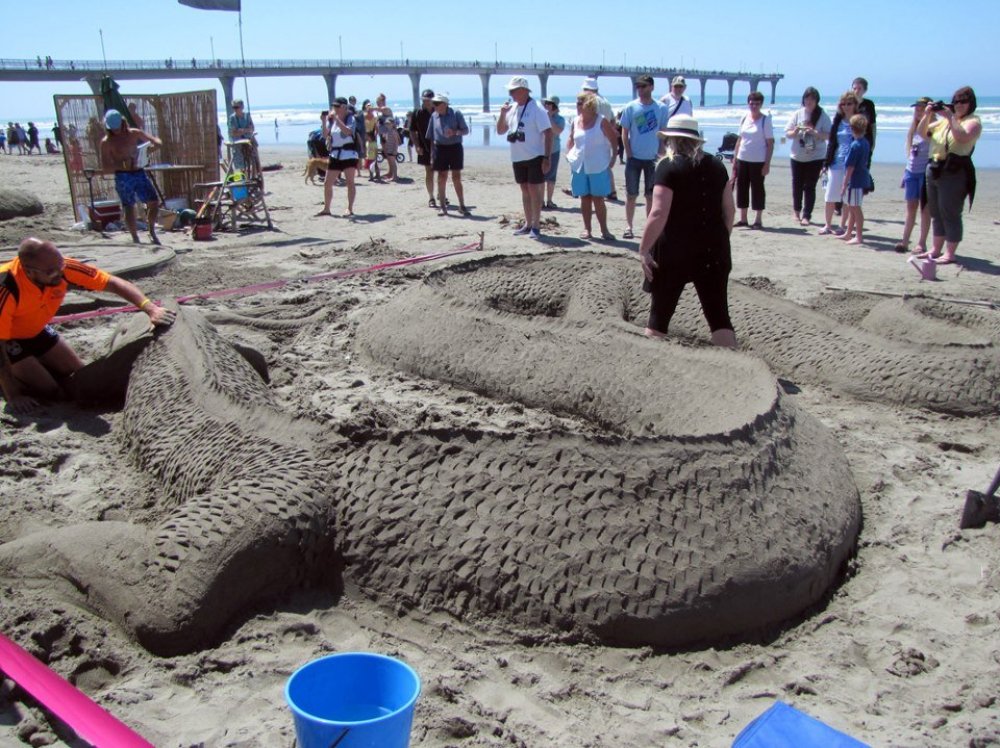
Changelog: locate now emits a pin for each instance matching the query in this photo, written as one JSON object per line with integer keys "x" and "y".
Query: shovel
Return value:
{"x": 981, "y": 508}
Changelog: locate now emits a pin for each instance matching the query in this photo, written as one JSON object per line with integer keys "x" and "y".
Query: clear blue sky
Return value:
{"x": 902, "y": 47}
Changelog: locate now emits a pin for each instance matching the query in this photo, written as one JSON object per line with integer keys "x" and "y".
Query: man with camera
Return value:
{"x": 529, "y": 132}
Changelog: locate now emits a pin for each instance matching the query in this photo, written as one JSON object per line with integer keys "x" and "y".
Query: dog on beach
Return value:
{"x": 314, "y": 167}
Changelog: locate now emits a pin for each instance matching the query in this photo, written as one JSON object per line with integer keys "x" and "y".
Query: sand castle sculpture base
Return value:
{"x": 691, "y": 503}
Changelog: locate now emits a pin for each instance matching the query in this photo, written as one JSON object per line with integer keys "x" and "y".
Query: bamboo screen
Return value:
{"x": 186, "y": 123}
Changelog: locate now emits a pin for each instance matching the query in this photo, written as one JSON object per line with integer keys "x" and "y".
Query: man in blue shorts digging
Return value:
{"x": 119, "y": 151}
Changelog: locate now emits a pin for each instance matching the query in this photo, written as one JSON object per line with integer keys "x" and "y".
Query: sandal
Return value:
{"x": 464, "y": 211}
{"x": 757, "y": 225}
{"x": 432, "y": 203}
{"x": 586, "y": 235}
{"x": 740, "y": 223}
{"x": 628, "y": 234}
{"x": 607, "y": 236}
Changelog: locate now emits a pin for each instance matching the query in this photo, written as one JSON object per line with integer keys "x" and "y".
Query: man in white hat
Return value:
{"x": 675, "y": 101}
{"x": 529, "y": 132}
{"x": 604, "y": 109}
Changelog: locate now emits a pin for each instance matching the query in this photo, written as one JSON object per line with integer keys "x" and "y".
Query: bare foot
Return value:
{"x": 856, "y": 242}
{"x": 927, "y": 255}
{"x": 135, "y": 240}
{"x": 944, "y": 260}
{"x": 154, "y": 238}
{"x": 323, "y": 212}
{"x": 586, "y": 235}
{"x": 348, "y": 213}
{"x": 845, "y": 237}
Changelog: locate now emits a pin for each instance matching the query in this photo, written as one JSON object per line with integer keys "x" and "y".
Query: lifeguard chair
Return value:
{"x": 240, "y": 194}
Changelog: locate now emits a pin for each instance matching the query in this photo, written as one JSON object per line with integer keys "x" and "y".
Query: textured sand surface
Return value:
{"x": 902, "y": 654}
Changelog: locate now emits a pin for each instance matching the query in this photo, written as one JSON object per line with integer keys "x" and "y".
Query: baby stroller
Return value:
{"x": 400, "y": 157}
{"x": 728, "y": 147}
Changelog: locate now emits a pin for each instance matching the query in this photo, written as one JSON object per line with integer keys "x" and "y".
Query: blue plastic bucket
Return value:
{"x": 353, "y": 700}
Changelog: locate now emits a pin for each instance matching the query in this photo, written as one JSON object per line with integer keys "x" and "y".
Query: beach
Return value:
{"x": 902, "y": 652}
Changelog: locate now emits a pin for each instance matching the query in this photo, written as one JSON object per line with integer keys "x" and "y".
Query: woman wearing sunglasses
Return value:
{"x": 951, "y": 177}
{"x": 835, "y": 165}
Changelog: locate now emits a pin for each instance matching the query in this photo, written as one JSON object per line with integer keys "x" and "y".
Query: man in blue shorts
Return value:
{"x": 642, "y": 119}
{"x": 119, "y": 154}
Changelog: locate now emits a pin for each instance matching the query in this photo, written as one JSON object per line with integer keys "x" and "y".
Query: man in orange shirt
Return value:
{"x": 34, "y": 360}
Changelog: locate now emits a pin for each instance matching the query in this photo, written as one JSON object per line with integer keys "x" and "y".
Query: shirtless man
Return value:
{"x": 119, "y": 150}
{"x": 34, "y": 360}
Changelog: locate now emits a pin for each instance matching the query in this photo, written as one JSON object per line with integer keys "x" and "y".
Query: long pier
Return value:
{"x": 227, "y": 71}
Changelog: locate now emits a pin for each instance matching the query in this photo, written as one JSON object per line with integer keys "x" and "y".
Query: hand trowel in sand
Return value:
{"x": 981, "y": 508}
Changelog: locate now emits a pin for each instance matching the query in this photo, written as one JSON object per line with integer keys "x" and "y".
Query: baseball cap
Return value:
{"x": 113, "y": 119}
{"x": 518, "y": 81}
{"x": 427, "y": 94}
{"x": 589, "y": 84}
{"x": 678, "y": 81}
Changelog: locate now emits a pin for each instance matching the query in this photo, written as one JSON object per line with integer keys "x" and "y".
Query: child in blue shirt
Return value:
{"x": 857, "y": 179}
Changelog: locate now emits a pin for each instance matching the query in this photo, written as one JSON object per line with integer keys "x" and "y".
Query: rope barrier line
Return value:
{"x": 270, "y": 285}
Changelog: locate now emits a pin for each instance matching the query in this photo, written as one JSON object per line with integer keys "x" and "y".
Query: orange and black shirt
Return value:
{"x": 25, "y": 308}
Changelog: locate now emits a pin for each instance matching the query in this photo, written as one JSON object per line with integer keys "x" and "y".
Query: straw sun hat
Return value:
{"x": 682, "y": 126}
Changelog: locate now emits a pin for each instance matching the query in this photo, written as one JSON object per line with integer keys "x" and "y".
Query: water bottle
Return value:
{"x": 826, "y": 179}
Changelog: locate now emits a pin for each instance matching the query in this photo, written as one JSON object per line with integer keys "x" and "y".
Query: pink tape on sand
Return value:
{"x": 88, "y": 720}
{"x": 66, "y": 318}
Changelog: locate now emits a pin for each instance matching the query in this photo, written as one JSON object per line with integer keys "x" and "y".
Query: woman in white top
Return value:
{"x": 752, "y": 159}
{"x": 808, "y": 132}
{"x": 591, "y": 150}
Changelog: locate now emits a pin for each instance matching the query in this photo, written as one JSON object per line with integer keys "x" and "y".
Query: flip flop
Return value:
{"x": 628, "y": 234}
{"x": 741, "y": 223}
{"x": 608, "y": 236}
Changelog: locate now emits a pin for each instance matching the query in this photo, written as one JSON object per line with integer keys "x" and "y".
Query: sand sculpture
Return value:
{"x": 692, "y": 502}
{"x": 15, "y": 203}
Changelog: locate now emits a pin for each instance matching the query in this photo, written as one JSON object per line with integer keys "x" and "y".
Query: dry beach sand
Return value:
{"x": 904, "y": 651}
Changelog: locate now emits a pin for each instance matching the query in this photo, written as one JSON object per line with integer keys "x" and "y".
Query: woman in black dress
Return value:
{"x": 686, "y": 239}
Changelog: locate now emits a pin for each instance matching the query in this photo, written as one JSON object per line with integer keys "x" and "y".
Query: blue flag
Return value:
{"x": 212, "y": 4}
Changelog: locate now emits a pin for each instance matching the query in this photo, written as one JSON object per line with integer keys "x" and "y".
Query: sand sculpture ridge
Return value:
{"x": 694, "y": 502}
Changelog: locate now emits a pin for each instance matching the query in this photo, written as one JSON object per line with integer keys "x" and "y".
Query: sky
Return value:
{"x": 902, "y": 47}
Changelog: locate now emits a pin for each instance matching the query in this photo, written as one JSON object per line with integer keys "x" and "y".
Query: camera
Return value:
{"x": 515, "y": 137}
{"x": 938, "y": 106}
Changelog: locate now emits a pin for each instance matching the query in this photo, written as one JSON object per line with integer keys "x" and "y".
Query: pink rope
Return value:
{"x": 88, "y": 720}
{"x": 270, "y": 285}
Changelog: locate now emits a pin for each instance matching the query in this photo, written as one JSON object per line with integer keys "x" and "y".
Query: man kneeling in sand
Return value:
{"x": 34, "y": 360}
{"x": 119, "y": 154}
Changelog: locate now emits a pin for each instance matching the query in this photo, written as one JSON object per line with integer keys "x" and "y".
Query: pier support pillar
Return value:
{"x": 774, "y": 90}
{"x": 226, "y": 81}
{"x": 703, "y": 82}
{"x": 415, "y": 86}
{"x": 543, "y": 80}
{"x": 95, "y": 85}
{"x": 331, "y": 87}
{"x": 730, "y": 82}
{"x": 754, "y": 83}
{"x": 484, "y": 78}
